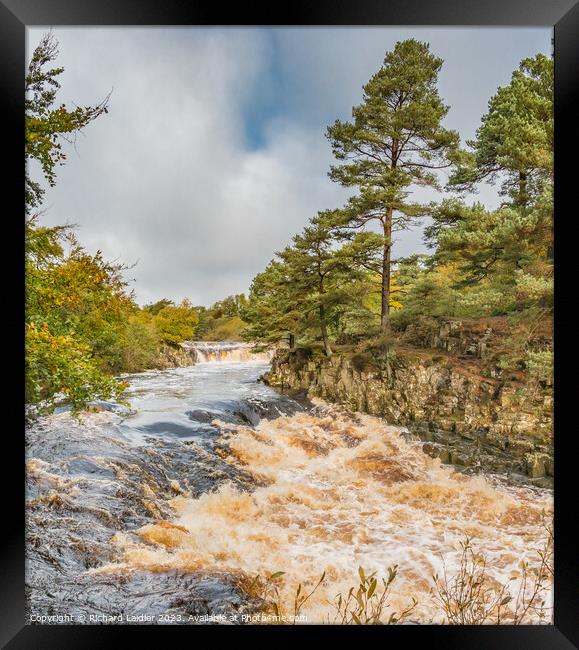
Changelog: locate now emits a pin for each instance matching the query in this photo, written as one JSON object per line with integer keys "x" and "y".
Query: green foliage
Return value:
{"x": 317, "y": 277}
{"x": 82, "y": 325}
{"x": 501, "y": 259}
{"x": 540, "y": 365}
{"x": 139, "y": 343}
{"x": 224, "y": 320}
{"x": 493, "y": 243}
{"x": 230, "y": 306}
{"x": 367, "y": 604}
{"x": 155, "y": 307}
{"x": 515, "y": 140}
{"x": 176, "y": 323}
{"x": 46, "y": 125}
{"x": 61, "y": 367}
{"x": 338, "y": 280}
{"x": 426, "y": 290}
{"x": 271, "y": 313}
{"x": 314, "y": 290}
{"x": 227, "y": 328}
{"x": 395, "y": 141}
{"x": 74, "y": 301}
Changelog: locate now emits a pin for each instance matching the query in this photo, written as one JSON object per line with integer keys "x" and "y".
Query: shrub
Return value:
{"x": 176, "y": 323}
{"x": 227, "y": 328}
{"x": 470, "y": 597}
{"x": 540, "y": 365}
{"x": 61, "y": 366}
{"x": 267, "y": 591}
{"x": 299, "y": 357}
{"x": 367, "y": 604}
{"x": 363, "y": 361}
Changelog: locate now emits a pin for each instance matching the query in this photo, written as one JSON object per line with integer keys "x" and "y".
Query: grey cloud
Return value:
{"x": 167, "y": 177}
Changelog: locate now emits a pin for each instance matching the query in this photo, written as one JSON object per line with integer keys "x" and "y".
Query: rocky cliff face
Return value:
{"x": 175, "y": 357}
{"x": 497, "y": 423}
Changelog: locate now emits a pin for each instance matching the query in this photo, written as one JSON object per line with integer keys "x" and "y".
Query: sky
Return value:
{"x": 213, "y": 153}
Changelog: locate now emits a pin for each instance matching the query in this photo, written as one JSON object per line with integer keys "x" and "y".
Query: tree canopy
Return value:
{"x": 484, "y": 261}
{"x": 395, "y": 140}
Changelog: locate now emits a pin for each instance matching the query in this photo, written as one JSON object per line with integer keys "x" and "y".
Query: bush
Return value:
{"x": 540, "y": 365}
{"x": 59, "y": 365}
{"x": 471, "y": 597}
{"x": 298, "y": 357}
{"x": 379, "y": 346}
{"x": 363, "y": 362}
{"x": 227, "y": 328}
{"x": 176, "y": 323}
{"x": 366, "y": 605}
{"x": 140, "y": 345}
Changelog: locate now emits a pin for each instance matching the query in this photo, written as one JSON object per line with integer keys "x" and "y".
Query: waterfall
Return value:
{"x": 225, "y": 351}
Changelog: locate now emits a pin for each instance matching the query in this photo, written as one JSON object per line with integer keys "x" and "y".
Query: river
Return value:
{"x": 166, "y": 512}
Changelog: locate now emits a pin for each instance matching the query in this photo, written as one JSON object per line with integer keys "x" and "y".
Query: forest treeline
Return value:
{"x": 337, "y": 282}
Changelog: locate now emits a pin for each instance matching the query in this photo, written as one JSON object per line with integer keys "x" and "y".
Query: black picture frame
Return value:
{"x": 563, "y": 15}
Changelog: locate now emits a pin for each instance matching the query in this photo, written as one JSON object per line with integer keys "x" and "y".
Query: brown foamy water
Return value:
{"x": 337, "y": 493}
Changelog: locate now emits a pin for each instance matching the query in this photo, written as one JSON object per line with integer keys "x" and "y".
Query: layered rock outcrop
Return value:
{"x": 498, "y": 423}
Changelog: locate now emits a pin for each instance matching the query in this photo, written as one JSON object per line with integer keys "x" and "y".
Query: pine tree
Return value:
{"x": 314, "y": 270}
{"x": 271, "y": 313}
{"x": 394, "y": 141}
{"x": 514, "y": 145}
{"x": 515, "y": 140}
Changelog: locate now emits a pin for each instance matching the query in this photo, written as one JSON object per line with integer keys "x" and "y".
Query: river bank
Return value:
{"x": 467, "y": 413}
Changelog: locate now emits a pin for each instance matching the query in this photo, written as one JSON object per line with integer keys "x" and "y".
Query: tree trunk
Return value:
{"x": 523, "y": 198}
{"x": 324, "y": 328}
{"x": 385, "y": 311}
{"x": 292, "y": 341}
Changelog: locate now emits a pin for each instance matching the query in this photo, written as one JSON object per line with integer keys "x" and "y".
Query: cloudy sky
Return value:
{"x": 213, "y": 152}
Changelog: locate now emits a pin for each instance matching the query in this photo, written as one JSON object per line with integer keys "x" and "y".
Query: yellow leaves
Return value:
{"x": 395, "y": 290}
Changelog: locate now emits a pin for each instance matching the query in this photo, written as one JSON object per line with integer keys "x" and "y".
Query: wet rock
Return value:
{"x": 461, "y": 459}
{"x": 536, "y": 464}
{"x": 207, "y": 417}
{"x": 86, "y": 483}
{"x": 168, "y": 429}
{"x": 201, "y": 416}
{"x": 254, "y": 409}
{"x": 437, "y": 451}
{"x": 112, "y": 407}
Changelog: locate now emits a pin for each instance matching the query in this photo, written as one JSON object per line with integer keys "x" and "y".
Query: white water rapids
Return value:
{"x": 261, "y": 484}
